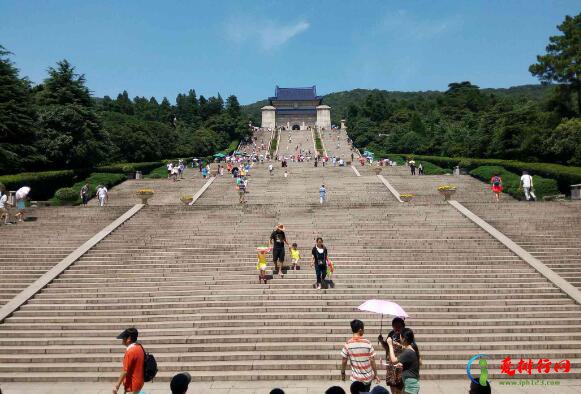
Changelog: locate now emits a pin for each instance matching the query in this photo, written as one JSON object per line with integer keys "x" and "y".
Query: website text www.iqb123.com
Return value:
{"x": 529, "y": 382}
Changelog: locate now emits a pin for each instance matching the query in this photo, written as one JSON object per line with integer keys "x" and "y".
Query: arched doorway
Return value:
{"x": 296, "y": 127}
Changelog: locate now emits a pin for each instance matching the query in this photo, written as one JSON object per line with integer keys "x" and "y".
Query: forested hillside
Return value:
{"x": 340, "y": 101}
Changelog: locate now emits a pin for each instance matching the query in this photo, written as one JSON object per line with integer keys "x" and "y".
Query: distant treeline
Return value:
{"x": 58, "y": 124}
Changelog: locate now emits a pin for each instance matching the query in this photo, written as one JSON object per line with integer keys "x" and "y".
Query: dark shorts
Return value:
{"x": 278, "y": 254}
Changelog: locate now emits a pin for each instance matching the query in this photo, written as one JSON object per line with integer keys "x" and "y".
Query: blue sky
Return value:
{"x": 155, "y": 48}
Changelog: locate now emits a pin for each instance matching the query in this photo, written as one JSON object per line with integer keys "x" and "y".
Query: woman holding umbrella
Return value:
{"x": 393, "y": 377}
{"x": 21, "y": 195}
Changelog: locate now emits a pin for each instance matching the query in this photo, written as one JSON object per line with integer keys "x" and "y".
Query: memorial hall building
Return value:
{"x": 296, "y": 109}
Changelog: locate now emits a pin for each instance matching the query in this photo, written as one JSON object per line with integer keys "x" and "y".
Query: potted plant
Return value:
{"x": 187, "y": 199}
{"x": 447, "y": 191}
{"x": 144, "y": 194}
{"x": 406, "y": 197}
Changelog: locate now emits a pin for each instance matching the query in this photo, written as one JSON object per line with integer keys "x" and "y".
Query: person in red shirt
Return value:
{"x": 496, "y": 182}
{"x": 133, "y": 363}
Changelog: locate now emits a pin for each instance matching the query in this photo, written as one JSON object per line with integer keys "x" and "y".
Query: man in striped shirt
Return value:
{"x": 360, "y": 353}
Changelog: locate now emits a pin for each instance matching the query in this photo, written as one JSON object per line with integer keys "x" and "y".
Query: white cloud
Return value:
{"x": 272, "y": 36}
{"x": 267, "y": 34}
{"x": 406, "y": 26}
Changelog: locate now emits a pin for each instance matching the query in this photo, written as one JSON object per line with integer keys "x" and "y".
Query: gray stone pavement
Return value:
{"x": 294, "y": 387}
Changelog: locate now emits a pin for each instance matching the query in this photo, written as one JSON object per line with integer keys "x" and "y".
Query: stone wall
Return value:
{"x": 309, "y": 120}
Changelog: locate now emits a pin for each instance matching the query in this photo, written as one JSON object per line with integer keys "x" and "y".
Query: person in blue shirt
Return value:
{"x": 322, "y": 194}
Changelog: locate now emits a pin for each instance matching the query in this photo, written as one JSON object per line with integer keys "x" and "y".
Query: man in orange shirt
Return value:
{"x": 133, "y": 363}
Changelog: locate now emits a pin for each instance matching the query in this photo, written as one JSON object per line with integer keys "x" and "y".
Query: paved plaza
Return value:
{"x": 245, "y": 387}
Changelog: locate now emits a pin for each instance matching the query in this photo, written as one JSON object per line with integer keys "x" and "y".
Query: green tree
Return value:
{"x": 214, "y": 106}
{"x": 417, "y": 125}
{"x": 562, "y": 62}
{"x": 140, "y": 106}
{"x": 462, "y": 97}
{"x": 64, "y": 86}
{"x": 107, "y": 104}
{"x": 70, "y": 133}
{"x": 136, "y": 139}
{"x": 123, "y": 104}
{"x": 233, "y": 106}
{"x": 565, "y": 142}
{"x": 166, "y": 112}
{"x": 203, "y": 107}
{"x": 17, "y": 119}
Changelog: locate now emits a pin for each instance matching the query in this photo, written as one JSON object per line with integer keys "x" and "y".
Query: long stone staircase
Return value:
{"x": 549, "y": 231}
{"x": 185, "y": 277}
{"x": 336, "y": 144}
{"x": 260, "y": 139}
{"x": 167, "y": 191}
{"x": 29, "y": 249}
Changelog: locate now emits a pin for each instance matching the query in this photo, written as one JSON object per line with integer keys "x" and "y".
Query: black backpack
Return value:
{"x": 496, "y": 181}
{"x": 149, "y": 366}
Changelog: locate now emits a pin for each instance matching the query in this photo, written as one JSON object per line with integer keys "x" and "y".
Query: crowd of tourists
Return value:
{"x": 402, "y": 375}
{"x": 320, "y": 261}
{"x": 176, "y": 171}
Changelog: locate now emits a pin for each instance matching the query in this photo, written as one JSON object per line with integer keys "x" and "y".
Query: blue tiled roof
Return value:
{"x": 296, "y": 111}
{"x": 292, "y": 94}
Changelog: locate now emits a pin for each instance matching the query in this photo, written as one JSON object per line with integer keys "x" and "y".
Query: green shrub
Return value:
{"x": 67, "y": 194}
{"x": 511, "y": 181}
{"x": 126, "y": 168}
{"x": 231, "y": 148}
{"x": 273, "y": 143}
{"x": 432, "y": 169}
{"x": 175, "y": 161}
{"x": 107, "y": 179}
{"x": 466, "y": 163}
{"x": 564, "y": 175}
{"x": 42, "y": 184}
{"x": 319, "y": 144}
{"x": 398, "y": 159}
{"x": 158, "y": 173}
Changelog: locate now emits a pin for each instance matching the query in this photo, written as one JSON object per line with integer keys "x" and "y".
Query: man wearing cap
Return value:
{"x": 133, "y": 363}
{"x": 179, "y": 383}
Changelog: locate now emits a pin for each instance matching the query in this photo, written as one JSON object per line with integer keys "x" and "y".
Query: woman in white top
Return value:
{"x": 3, "y": 208}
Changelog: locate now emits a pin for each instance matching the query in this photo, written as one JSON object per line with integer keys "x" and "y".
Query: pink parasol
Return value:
{"x": 383, "y": 308}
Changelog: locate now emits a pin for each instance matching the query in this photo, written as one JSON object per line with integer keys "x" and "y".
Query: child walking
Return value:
{"x": 295, "y": 255}
{"x": 261, "y": 265}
